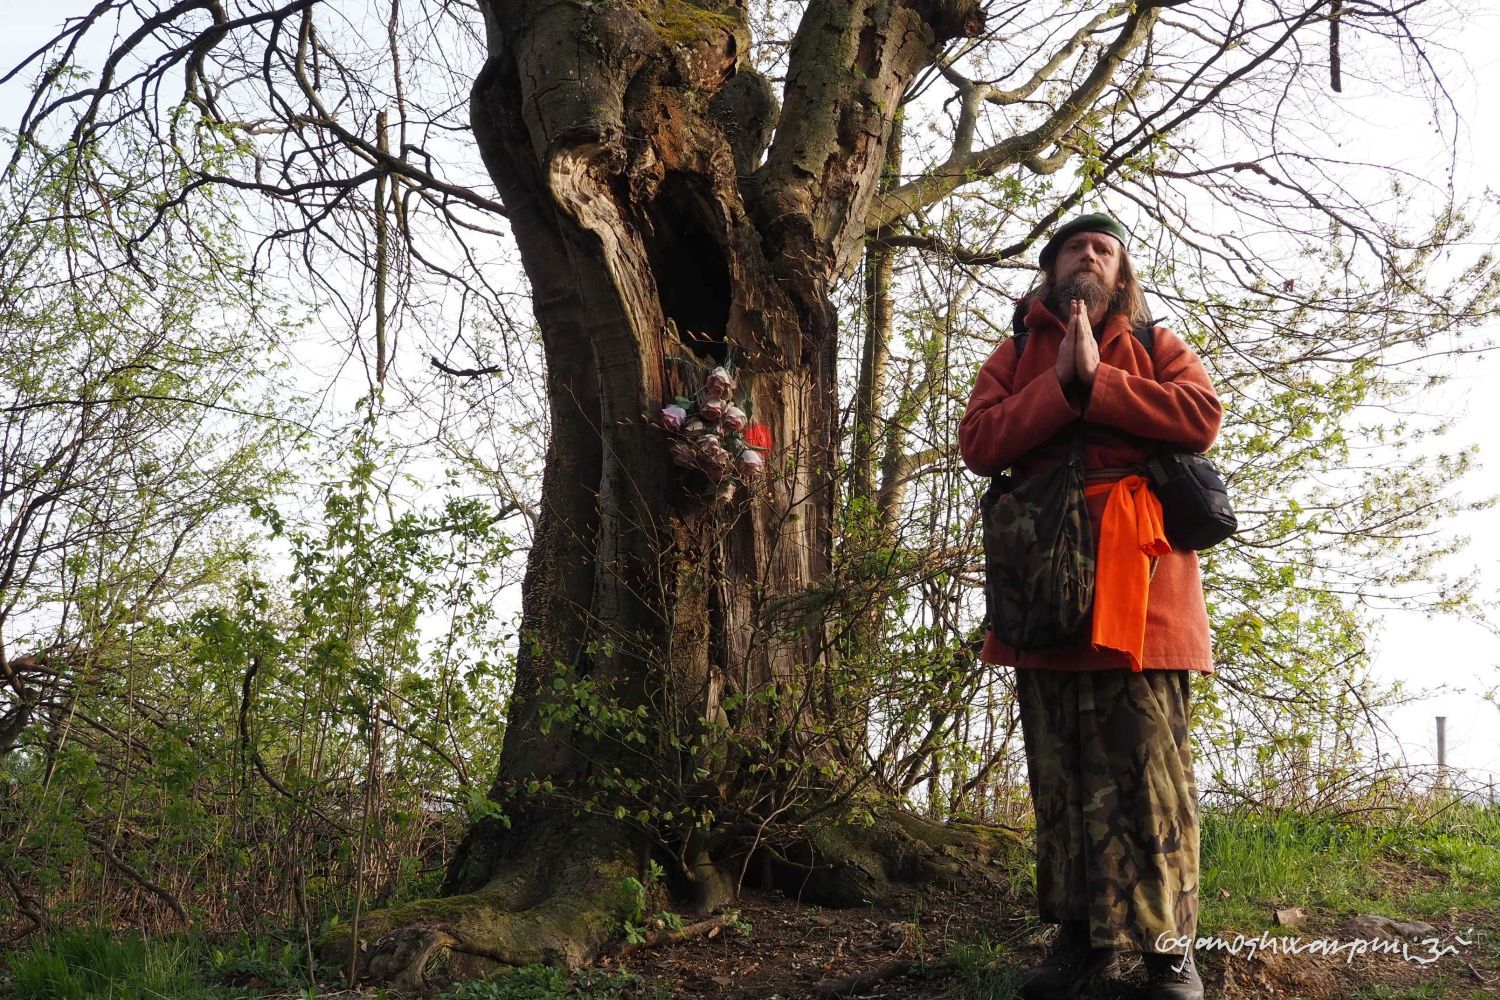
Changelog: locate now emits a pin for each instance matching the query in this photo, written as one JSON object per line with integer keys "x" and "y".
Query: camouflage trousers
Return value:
{"x": 1116, "y": 803}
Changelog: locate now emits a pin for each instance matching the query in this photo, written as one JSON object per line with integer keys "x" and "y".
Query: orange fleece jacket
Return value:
{"x": 1019, "y": 417}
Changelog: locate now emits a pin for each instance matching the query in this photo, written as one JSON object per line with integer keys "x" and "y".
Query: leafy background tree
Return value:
{"x": 205, "y": 720}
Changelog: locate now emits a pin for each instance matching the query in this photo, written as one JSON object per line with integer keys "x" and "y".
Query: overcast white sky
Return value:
{"x": 1459, "y": 661}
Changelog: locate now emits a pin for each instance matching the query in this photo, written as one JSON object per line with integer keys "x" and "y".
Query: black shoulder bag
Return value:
{"x": 1195, "y": 506}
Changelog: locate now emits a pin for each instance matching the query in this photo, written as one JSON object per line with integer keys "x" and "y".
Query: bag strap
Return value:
{"x": 1145, "y": 333}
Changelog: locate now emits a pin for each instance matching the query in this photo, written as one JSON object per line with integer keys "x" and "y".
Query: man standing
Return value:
{"x": 1105, "y": 721}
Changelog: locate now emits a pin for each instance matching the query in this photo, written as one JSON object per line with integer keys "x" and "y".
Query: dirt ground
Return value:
{"x": 943, "y": 944}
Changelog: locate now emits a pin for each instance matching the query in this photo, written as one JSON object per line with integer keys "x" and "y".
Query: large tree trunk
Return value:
{"x": 669, "y": 701}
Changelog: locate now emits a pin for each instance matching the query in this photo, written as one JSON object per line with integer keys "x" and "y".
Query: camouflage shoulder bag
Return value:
{"x": 1039, "y": 556}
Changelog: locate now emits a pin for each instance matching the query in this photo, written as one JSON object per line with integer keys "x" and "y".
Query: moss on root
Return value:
{"x": 481, "y": 933}
{"x": 970, "y": 839}
{"x": 856, "y": 864}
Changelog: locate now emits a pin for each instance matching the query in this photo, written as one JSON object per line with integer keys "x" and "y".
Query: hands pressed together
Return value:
{"x": 1078, "y": 357}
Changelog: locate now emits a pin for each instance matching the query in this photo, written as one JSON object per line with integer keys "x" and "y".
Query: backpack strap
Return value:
{"x": 1144, "y": 333}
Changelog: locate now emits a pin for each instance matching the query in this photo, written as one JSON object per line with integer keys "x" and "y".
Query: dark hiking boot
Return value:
{"x": 1069, "y": 965}
{"x": 1172, "y": 977}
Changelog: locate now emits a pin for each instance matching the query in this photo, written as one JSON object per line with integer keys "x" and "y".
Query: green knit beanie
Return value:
{"x": 1095, "y": 222}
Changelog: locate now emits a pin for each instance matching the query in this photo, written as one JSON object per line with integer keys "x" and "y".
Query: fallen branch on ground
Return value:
{"x": 704, "y": 928}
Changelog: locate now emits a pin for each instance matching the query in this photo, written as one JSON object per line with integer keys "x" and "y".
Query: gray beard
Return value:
{"x": 1085, "y": 286}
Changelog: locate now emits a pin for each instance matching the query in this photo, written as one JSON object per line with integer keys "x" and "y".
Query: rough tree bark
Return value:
{"x": 626, "y": 141}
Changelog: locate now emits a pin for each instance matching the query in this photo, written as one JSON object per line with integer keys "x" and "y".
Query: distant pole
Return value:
{"x": 1442, "y": 734}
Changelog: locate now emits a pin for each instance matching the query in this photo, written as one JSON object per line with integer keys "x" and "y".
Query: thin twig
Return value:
{"x": 129, "y": 872}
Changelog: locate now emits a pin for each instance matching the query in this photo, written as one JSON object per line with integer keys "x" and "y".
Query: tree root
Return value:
{"x": 563, "y": 914}
{"x": 559, "y": 900}
{"x": 466, "y": 936}
{"x": 861, "y": 981}
{"x": 853, "y": 865}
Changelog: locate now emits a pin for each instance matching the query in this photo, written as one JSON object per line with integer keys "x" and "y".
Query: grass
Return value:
{"x": 1410, "y": 866}
{"x": 986, "y": 971}
{"x": 99, "y": 964}
{"x": 92, "y": 964}
{"x": 1437, "y": 862}
{"x": 1428, "y": 991}
{"x": 267, "y": 963}
{"x": 1252, "y": 864}
{"x": 95, "y": 964}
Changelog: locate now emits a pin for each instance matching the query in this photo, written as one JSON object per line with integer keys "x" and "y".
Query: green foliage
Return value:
{"x": 267, "y": 963}
{"x": 93, "y": 964}
{"x": 1347, "y": 499}
{"x": 736, "y": 922}
{"x": 298, "y": 747}
{"x": 263, "y": 681}
{"x": 134, "y": 434}
{"x": 633, "y": 905}
{"x": 134, "y": 421}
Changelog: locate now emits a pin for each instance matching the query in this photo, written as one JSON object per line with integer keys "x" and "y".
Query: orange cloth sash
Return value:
{"x": 1129, "y": 535}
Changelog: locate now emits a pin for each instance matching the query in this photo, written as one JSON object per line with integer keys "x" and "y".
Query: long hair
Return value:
{"x": 1128, "y": 299}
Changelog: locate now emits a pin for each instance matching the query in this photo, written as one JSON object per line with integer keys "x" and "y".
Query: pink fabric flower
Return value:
{"x": 751, "y": 464}
{"x": 673, "y": 417}
{"x": 710, "y": 446}
{"x": 712, "y": 458}
{"x": 733, "y": 419}
{"x": 719, "y": 383}
{"x": 711, "y": 408}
